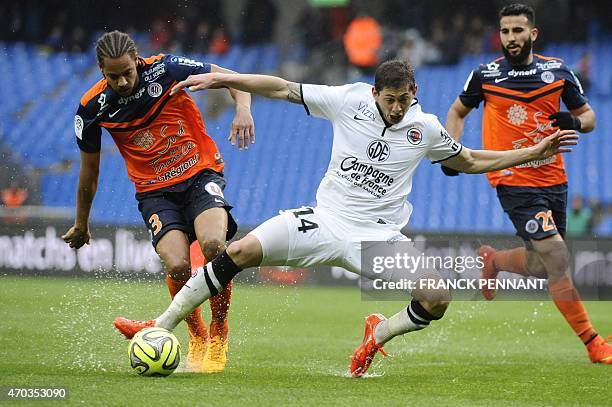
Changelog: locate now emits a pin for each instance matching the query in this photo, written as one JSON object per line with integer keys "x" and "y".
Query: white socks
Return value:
{"x": 194, "y": 292}
{"x": 412, "y": 318}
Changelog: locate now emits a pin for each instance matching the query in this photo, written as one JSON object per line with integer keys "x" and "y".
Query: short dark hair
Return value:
{"x": 114, "y": 44}
{"x": 518, "y": 9}
{"x": 395, "y": 74}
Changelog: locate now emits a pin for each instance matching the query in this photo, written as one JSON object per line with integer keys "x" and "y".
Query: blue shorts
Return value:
{"x": 536, "y": 212}
{"x": 177, "y": 206}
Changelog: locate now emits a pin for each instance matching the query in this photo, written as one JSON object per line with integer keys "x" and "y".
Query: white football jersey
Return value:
{"x": 370, "y": 173}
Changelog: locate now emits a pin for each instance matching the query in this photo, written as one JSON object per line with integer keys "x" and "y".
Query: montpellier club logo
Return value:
{"x": 378, "y": 151}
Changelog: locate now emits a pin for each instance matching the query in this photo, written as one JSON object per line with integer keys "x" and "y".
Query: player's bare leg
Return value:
{"x": 427, "y": 305}
{"x": 555, "y": 257}
{"x": 211, "y": 229}
{"x": 204, "y": 284}
{"x": 173, "y": 249}
{"x": 518, "y": 260}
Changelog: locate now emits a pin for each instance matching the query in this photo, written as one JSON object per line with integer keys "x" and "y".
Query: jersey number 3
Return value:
{"x": 156, "y": 224}
{"x": 306, "y": 224}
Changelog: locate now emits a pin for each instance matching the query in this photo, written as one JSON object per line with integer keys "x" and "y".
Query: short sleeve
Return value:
{"x": 182, "y": 67}
{"x": 573, "y": 95}
{"x": 471, "y": 96}
{"x": 441, "y": 146}
{"x": 323, "y": 101}
{"x": 88, "y": 132}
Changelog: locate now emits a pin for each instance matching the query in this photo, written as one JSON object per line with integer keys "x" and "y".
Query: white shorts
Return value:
{"x": 309, "y": 236}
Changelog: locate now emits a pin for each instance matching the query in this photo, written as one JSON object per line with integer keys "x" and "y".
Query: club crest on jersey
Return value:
{"x": 143, "y": 139}
{"x": 547, "y": 77}
{"x": 414, "y": 136}
{"x": 155, "y": 89}
{"x": 517, "y": 114}
{"x": 378, "y": 151}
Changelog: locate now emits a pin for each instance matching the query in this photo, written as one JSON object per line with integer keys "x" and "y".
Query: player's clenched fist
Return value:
{"x": 77, "y": 237}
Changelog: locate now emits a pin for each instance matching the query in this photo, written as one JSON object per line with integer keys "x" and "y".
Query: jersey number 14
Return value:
{"x": 306, "y": 224}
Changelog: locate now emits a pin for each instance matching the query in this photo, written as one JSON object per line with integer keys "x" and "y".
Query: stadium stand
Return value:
{"x": 40, "y": 91}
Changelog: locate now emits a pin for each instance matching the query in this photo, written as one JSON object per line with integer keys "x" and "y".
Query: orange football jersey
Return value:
{"x": 161, "y": 137}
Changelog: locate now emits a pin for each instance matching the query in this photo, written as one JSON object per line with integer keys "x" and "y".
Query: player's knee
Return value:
{"x": 178, "y": 268}
{"x": 435, "y": 301}
{"x": 211, "y": 248}
{"x": 245, "y": 252}
{"x": 555, "y": 257}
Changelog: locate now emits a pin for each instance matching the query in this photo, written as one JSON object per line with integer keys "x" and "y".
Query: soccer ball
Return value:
{"x": 154, "y": 352}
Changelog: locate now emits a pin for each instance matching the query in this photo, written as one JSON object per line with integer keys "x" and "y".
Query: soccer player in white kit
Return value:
{"x": 380, "y": 136}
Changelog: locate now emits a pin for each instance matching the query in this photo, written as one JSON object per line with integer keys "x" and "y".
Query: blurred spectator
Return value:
{"x": 314, "y": 29}
{"x": 258, "y": 22}
{"x": 579, "y": 218}
{"x": 474, "y": 41}
{"x": 583, "y": 71}
{"x": 599, "y": 212}
{"x": 220, "y": 42}
{"x": 201, "y": 40}
{"x": 78, "y": 40}
{"x": 362, "y": 42}
{"x": 414, "y": 48}
{"x": 180, "y": 36}
{"x": 159, "y": 39}
{"x": 14, "y": 195}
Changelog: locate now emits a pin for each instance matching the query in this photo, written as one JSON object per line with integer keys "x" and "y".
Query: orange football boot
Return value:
{"x": 489, "y": 271}
{"x": 129, "y": 327}
{"x": 600, "y": 350}
{"x": 364, "y": 353}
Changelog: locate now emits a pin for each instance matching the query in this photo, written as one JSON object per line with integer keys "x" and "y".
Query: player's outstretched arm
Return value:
{"x": 242, "y": 130}
{"x": 455, "y": 121}
{"x": 479, "y": 161}
{"x": 263, "y": 85}
{"x": 78, "y": 235}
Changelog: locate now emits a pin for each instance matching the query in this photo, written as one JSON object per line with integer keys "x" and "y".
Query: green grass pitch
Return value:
{"x": 291, "y": 346}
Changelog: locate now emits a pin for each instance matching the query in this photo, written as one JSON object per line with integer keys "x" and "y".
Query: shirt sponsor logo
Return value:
{"x": 366, "y": 113}
{"x": 414, "y": 136}
{"x": 186, "y": 61}
{"x": 378, "y": 151}
{"x": 514, "y": 73}
{"x": 492, "y": 70}
{"x": 154, "y": 72}
{"x": 179, "y": 169}
{"x": 143, "y": 139}
{"x": 517, "y": 114}
{"x": 365, "y": 176}
{"x": 155, "y": 89}
{"x": 128, "y": 99}
{"x": 78, "y": 126}
{"x": 549, "y": 65}
{"x": 449, "y": 141}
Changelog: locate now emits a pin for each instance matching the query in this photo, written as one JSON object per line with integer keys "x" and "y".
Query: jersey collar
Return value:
{"x": 405, "y": 120}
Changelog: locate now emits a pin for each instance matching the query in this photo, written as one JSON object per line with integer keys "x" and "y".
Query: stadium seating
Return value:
{"x": 40, "y": 91}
